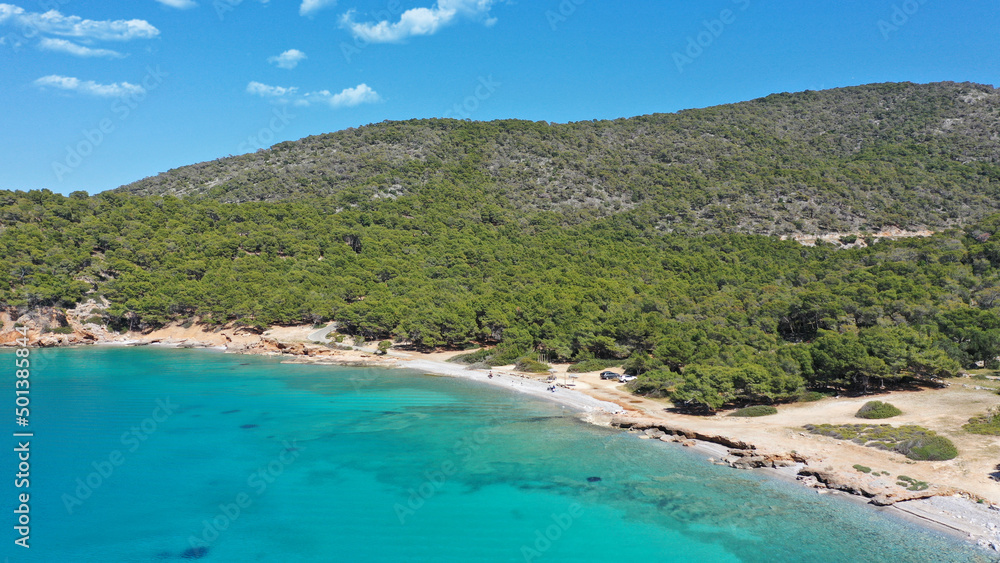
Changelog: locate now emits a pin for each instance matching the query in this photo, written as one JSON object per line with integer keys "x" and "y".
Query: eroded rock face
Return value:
{"x": 49, "y": 340}
{"x": 38, "y": 323}
{"x": 264, "y": 346}
{"x": 14, "y": 337}
{"x": 10, "y": 338}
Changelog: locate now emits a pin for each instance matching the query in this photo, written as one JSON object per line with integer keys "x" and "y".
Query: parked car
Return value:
{"x": 609, "y": 375}
{"x": 627, "y": 378}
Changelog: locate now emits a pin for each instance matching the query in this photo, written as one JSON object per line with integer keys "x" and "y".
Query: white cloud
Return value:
{"x": 179, "y": 4}
{"x": 419, "y": 21}
{"x": 310, "y": 7}
{"x": 289, "y": 59}
{"x": 348, "y": 97}
{"x": 270, "y": 91}
{"x": 64, "y": 46}
{"x": 89, "y": 87}
{"x": 54, "y": 23}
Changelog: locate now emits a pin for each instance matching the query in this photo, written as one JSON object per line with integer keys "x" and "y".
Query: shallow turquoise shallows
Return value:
{"x": 180, "y": 455}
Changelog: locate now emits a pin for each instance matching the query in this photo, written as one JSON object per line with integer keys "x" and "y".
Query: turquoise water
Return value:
{"x": 261, "y": 461}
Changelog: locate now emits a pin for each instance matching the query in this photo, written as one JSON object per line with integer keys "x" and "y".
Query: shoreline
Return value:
{"x": 569, "y": 398}
{"x": 949, "y": 511}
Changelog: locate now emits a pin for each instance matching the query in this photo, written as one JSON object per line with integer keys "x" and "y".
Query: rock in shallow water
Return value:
{"x": 593, "y": 479}
{"x": 194, "y": 553}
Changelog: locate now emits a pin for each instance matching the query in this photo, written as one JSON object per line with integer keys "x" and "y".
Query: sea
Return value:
{"x": 169, "y": 455}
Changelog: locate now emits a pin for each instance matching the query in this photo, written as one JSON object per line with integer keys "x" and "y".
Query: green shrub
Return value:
{"x": 318, "y": 326}
{"x": 531, "y": 366}
{"x": 915, "y": 442}
{"x": 848, "y": 239}
{"x": 756, "y": 410}
{"x": 503, "y": 355}
{"x": 928, "y": 448}
{"x": 810, "y": 396}
{"x": 864, "y": 469}
{"x": 186, "y": 324}
{"x": 481, "y": 355}
{"x": 97, "y": 320}
{"x": 878, "y": 409}
{"x": 912, "y": 484}
{"x": 988, "y": 423}
{"x": 491, "y": 357}
{"x": 593, "y": 365}
{"x": 60, "y": 330}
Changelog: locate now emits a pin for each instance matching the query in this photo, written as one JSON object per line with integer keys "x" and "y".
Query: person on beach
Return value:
{"x": 490, "y": 375}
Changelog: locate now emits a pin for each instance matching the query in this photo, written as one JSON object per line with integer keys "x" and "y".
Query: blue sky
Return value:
{"x": 96, "y": 94}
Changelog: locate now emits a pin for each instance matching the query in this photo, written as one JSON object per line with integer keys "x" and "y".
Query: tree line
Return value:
{"x": 709, "y": 320}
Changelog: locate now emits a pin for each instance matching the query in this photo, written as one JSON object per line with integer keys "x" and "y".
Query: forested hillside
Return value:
{"x": 615, "y": 240}
{"x": 850, "y": 159}
{"x": 710, "y": 319}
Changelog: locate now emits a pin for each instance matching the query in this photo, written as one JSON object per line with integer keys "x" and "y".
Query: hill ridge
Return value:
{"x": 857, "y": 158}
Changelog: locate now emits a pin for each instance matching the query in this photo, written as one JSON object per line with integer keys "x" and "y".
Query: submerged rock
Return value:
{"x": 248, "y": 426}
{"x": 194, "y": 553}
{"x": 593, "y": 479}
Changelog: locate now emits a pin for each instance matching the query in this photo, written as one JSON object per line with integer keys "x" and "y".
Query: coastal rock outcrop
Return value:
{"x": 647, "y": 424}
{"x": 880, "y": 491}
{"x": 754, "y": 459}
{"x": 45, "y": 327}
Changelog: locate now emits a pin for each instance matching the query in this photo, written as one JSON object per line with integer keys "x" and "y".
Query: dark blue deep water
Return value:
{"x": 181, "y": 455}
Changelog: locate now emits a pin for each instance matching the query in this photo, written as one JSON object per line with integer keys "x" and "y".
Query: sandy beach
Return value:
{"x": 517, "y": 382}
